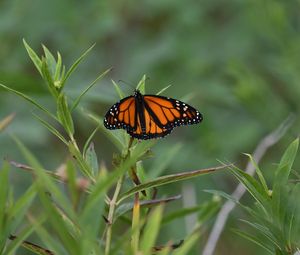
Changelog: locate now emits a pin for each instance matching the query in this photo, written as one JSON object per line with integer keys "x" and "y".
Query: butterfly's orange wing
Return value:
{"x": 169, "y": 112}
{"x": 122, "y": 115}
{"x": 151, "y": 129}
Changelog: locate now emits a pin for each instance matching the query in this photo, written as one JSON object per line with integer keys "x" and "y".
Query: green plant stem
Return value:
{"x": 135, "y": 224}
{"x": 74, "y": 142}
{"x": 112, "y": 207}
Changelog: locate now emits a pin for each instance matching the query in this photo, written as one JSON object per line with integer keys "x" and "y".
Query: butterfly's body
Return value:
{"x": 150, "y": 116}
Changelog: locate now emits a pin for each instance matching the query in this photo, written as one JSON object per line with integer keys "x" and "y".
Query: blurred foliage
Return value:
{"x": 276, "y": 213}
{"x": 236, "y": 61}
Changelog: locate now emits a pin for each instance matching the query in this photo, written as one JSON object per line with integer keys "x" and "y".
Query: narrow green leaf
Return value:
{"x": 113, "y": 136}
{"x": 118, "y": 89}
{"x": 52, "y": 129}
{"x": 71, "y": 182}
{"x": 57, "y": 222}
{"x": 264, "y": 231}
{"x": 126, "y": 207}
{"x": 34, "y": 57}
{"x": 222, "y": 194}
{"x": 283, "y": 171}
{"x": 258, "y": 172}
{"x": 121, "y": 242}
{"x": 295, "y": 194}
{"x": 77, "y": 100}
{"x": 252, "y": 185}
{"x": 90, "y": 216}
{"x": 30, "y": 100}
{"x": 62, "y": 75}
{"x": 46, "y": 180}
{"x": 84, "y": 167}
{"x": 17, "y": 241}
{"x": 162, "y": 90}
{"x": 58, "y": 71}
{"x": 50, "y": 60}
{"x": 136, "y": 225}
{"x": 91, "y": 159}
{"x": 180, "y": 214}
{"x": 151, "y": 231}
{"x": 163, "y": 160}
{"x": 45, "y": 186}
{"x": 279, "y": 193}
{"x": 20, "y": 207}
{"x": 169, "y": 179}
{"x": 209, "y": 209}
{"x": 75, "y": 65}
{"x": 48, "y": 238}
{"x": 48, "y": 78}
{"x": 88, "y": 141}
{"x": 64, "y": 114}
{"x": 101, "y": 186}
{"x": 255, "y": 240}
{"x": 141, "y": 84}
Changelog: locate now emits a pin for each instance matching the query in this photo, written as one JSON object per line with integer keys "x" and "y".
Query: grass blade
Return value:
{"x": 50, "y": 60}
{"x": 252, "y": 185}
{"x": 74, "y": 66}
{"x": 259, "y": 173}
{"x": 29, "y": 99}
{"x": 169, "y": 179}
{"x": 88, "y": 141}
{"x": 57, "y": 74}
{"x": 77, "y": 100}
{"x": 118, "y": 89}
{"x": 34, "y": 57}
{"x": 254, "y": 239}
{"x": 162, "y": 90}
{"x": 91, "y": 158}
{"x": 52, "y": 129}
{"x": 64, "y": 114}
{"x": 151, "y": 230}
{"x": 135, "y": 237}
{"x": 283, "y": 171}
{"x": 141, "y": 84}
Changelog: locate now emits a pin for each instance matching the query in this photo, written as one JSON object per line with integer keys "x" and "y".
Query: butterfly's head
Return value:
{"x": 138, "y": 96}
{"x": 137, "y": 93}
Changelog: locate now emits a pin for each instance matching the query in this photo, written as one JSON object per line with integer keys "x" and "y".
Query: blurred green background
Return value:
{"x": 236, "y": 61}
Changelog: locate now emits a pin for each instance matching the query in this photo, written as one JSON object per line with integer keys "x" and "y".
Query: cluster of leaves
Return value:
{"x": 275, "y": 216}
{"x": 76, "y": 214}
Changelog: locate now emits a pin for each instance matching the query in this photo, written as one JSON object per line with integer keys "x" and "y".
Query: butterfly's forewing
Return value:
{"x": 169, "y": 113}
{"x": 122, "y": 115}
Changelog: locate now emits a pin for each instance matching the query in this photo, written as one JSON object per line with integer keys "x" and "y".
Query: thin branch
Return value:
{"x": 259, "y": 152}
{"x": 113, "y": 205}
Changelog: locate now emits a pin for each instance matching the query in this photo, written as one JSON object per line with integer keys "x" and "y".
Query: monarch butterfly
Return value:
{"x": 150, "y": 116}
